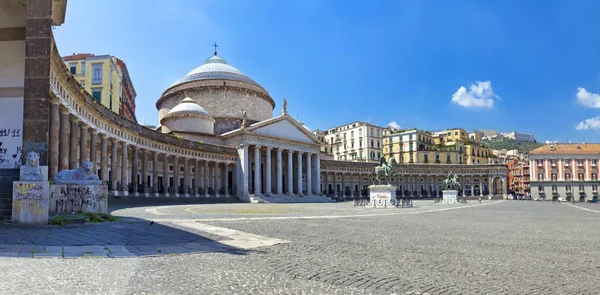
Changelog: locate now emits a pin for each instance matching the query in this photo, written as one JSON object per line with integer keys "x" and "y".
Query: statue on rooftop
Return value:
{"x": 284, "y": 111}
{"x": 244, "y": 120}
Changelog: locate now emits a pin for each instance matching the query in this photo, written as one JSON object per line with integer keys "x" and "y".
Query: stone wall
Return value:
{"x": 65, "y": 199}
{"x": 30, "y": 203}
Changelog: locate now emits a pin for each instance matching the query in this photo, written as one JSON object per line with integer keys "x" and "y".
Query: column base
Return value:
{"x": 157, "y": 195}
{"x": 197, "y": 195}
{"x": 136, "y": 194}
{"x": 206, "y": 195}
{"x": 187, "y": 195}
{"x": 125, "y": 193}
{"x": 176, "y": 195}
{"x": 115, "y": 192}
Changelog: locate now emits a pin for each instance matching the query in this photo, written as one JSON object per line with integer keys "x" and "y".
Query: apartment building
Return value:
{"x": 357, "y": 141}
{"x": 568, "y": 171}
{"x": 517, "y": 136}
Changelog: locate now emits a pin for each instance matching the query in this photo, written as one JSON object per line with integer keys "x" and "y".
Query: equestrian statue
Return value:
{"x": 451, "y": 182}
{"x": 385, "y": 169}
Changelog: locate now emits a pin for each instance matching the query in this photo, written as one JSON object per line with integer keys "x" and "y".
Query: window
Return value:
{"x": 579, "y": 176}
{"x": 579, "y": 162}
{"x": 448, "y": 158}
{"x": 411, "y": 158}
{"x": 110, "y": 101}
{"x": 568, "y": 188}
{"x": 540, "y": 188}
{"x": 593, "y": 162}
{"x": 553, "y": 176}
{"x": 83, "y": 68}
{"x": 456, "y": 133}
{"x": 594, "y": 188}
{"x": 540, "y": 162}
{"x": 594, "y": 176}
{"x": 437, "y": 158}
{"x": 97, "y": 94}
{"x": 378, "y": 155}
{"x": 553, "y": 162}
{"x": 567, "y": 176}
{"x": 581, "y": 188}
{"x": 566, "y": 162}
{"x": 425, "y": 158}
{"x": 378, "y": 144}
{"x": 73, "y": 68}
{"x": 540, "y": 176}
{"x": 97, "y": 74}
{"x": 371, "y": 143}
{"x": 554, "y": 188}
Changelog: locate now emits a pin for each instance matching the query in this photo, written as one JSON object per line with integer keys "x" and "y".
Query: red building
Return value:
{"x": 128, "y": 94}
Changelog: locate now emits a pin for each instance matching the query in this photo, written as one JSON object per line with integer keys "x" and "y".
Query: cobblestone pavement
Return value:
{"x": 510, "y": 247}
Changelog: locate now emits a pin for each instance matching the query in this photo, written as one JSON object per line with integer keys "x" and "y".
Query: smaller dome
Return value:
{"x": 187, "y": 106}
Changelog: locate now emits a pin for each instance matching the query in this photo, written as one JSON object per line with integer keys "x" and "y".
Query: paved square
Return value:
{"x": 509, "y": 247}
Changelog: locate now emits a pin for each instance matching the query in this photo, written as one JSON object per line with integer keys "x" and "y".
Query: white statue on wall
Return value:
{"x": 82, "y": 175}
{"x": 31, "y": 171}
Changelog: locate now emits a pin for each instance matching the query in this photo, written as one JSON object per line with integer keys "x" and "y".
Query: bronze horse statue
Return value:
{"x": 385, "y": 169}
{"x": 451, "y": 182}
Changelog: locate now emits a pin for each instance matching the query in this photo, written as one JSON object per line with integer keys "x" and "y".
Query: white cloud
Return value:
{"x": 394, "y": 125}
{"x": 588, "y": 99}
{"x": 480, "y": 95}
{"x": 591, "y": 123}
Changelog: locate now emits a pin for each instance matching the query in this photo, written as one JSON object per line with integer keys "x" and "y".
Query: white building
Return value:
{"x": 357, "y": 141}
{"x": 517, "y": 136}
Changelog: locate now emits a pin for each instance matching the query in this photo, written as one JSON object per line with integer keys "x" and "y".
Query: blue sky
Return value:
{"x": 377, "y": 61}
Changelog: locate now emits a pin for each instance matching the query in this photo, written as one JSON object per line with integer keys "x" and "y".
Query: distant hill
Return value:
{"x": 510, "y": 144}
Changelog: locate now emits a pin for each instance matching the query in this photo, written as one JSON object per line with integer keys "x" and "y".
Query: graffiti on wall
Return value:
{"x": 74, "y": 198}
{"x": 11, "y": 132}
{"x": 30, "y": 202}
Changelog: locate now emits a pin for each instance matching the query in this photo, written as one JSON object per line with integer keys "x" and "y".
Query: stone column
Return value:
{"x": 54, "y": 138}
{"x": 309, "y": 188}
{"x": 134, "y": 169}
{"x": 279, "y": 173}
{"x": 197, "y": 178}
{"x": 124, "y": 169}
{"x": 343, "y": 188}
{"x": 176, "y": 175}
{"x": 114, "y": 165}
{"x": 225, "y": 179}
{"x": 186, "y": 177}
{"x": 318, "y": 173}
{"x": 490, "y": 186}
{"x": 104, "y": 158}
{"x": 299, "y": 176}
{"x": 268, "y": 172}
{"x": 145, "y": 183}
{"x": 235, "y": 179}
{"x": 63, "y": 144}
{"x": 505, "y": 186}
{"x": 155, "y": 173}
{"x": 94, "y": 146}
{"x": 83, "y": 153}
{"x": 206, "y": 184}
{"x": 257, "y": 178}
{"x": 215, "y": 178}
{"x": 165, "y": 180}
{"x": 74, "y": 153}
{"x": 325, "y": 183}
{"x": 290, "y": 176}
{"x": 243, "y": 156}
{"x": 480, "y": 186}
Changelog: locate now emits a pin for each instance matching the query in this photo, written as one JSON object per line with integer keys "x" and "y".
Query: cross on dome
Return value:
{"x": 215, "y": 45}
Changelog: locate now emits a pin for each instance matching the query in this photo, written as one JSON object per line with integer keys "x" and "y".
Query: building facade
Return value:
{"x": 519, "y": 182}
{"x": 107, "y": 79}
{"x": 517, "y": 136}
{"x": 567, "y": 171}
{"x": 357, "y": 141}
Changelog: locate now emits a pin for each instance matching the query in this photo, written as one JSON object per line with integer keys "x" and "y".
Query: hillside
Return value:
{"x": 509, "y": 144}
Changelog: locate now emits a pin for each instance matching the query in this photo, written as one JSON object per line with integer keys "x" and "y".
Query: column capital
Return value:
{"x": 269, "y": 148}
{"x": 113, "y": 139}
{"x": 64, "y": 110}
{"x": 93, "y": 131}
{"x": 54, "y": 101}
{"x": 74, "y": 119}
{"x": 258, "y": 146}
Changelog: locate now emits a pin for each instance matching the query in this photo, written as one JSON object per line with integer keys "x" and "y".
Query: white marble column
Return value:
{"x": 186, "y": 177}
{"x": 268, "y": 172}
{"x": 144, "y": 181}
{"x": 257, "y": 178}
{"x": 197, "y": 178}
{"x": 318, "y": 173}
{"x": 134, "y": 169}
{"x": 155, "y": 173}
{"x": 279, "y": 173}
{"x": 290, "y": 176}
{"x": 176, "y": 175}
{"x": 216, "y": 178}
{"x": 299, "y": 176}
{"x": 243, "y": 155}
{"x": 309, "y": 188}
{"x": 165, "y": 180}
{"x": 206, "y": 184}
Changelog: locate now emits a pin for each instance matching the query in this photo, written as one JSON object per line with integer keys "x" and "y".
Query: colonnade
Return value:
{"x": 268, "y": 170}
{"x": 129, "y": 169}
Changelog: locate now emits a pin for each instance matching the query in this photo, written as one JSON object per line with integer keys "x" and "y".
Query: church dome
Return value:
{"x": 215, "y": 68}
{"x": 187, "y": 107}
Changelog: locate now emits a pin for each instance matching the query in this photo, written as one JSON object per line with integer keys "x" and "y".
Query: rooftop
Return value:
{"x": 567, "y": 148}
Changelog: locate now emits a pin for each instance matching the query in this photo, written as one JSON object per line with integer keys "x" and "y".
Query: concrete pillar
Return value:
{"x": 206, "y": 174}
{"x": 243, "y": 155}
{"x": 114, "y": 159}
{"x": 103, "y": 158}
{"x": 257, "y": 178}
{"x": 155, "y": 173}
{"x": 309, "y": 188}
{"x": 94, "y": 146}
{"x": 186, "y": 177}
{"x": 279, "y": 173}
{"x": 144, "y": 181}
{"x": 290, "y": 176}
{"x": 124, "y": 169}
{"x": 74, "y": 153}
{"x": 135, "y": 169}
{"x": 268, "y": 171}
{"x": 165, "y": 180}
{"x": 176, "y": 175}
{"x": 83, "y": 152}
{"x": 63, "y": 144}
{"x": 197, "y": 178}
{"x": 299, "y": 176}
{"x": 53, "y": 148}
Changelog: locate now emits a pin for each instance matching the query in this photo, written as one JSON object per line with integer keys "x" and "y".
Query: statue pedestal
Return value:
{"x": 69, "y": 198}
{"x": 449, "y": 197}
{"x": 30, "y": 202}
{"x": 382, "y": 196}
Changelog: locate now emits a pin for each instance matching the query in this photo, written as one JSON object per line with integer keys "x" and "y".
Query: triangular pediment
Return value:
{"x": 284, "y": 127}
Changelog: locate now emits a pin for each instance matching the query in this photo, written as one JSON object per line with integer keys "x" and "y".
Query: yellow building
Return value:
{"x": 451, "y": 146}
{"x": 100, "y": 75}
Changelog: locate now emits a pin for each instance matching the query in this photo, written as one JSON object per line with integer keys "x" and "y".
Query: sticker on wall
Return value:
{"x": 11, "y": 132}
